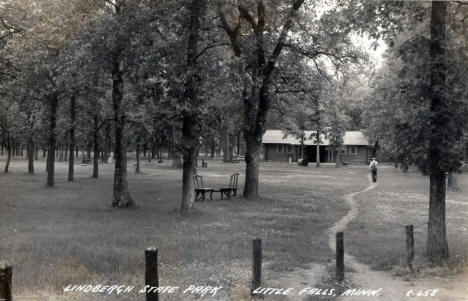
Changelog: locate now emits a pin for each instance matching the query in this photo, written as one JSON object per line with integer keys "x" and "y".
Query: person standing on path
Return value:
{"x": 373, "y": 169}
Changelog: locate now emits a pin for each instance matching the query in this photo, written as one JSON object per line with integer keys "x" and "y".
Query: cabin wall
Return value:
{"x": 357, "y": 154}
{"x": 360, "y": 154}
{"x": 311, "y": 152}
{"x": 280, "y": 152}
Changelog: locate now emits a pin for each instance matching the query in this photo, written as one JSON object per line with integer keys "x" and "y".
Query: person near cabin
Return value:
{"x": 373, "y": 169}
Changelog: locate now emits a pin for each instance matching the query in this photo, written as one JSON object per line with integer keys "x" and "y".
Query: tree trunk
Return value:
{"x": 36, "y": 151}
{"x": 71, "y": 160}
{"x": 30, "y": 152}
{"x": 160, "y": 152}
{"x": 95, "y": 146}
{"x": 8, "y": 149}
{"x": 452, "y": 182}
{"x": 375, "y": 149}
{"x": 189, "y": 169}
{"x": 88, "y": 150}
{"x": 213, "y": 149}
{"x": 171, "y": 144}
{"x": 60, "y": 152}
{"x": 404, "y": 167}
{"x": 437, "y": 246}
{"x": 121, "y": 197}
{"x": 177, "y": 161}
{"x": 238, "y": 143}
{"x": 338, "y": 151}
{"x": 302, "y": 145}
{"x": 317, "y": 156}
{"x": 107, "y": 142}
{"x": 252, "y": 160}
{"x": 137, "y": 156}
{"x": 189, "y": 119}
{"x": 150, "y": 152}
{"x": 227, "y": 148}
{"x": 53, "y": 103}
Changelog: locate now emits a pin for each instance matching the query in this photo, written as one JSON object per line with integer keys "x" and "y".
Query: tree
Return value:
{"x": 256, "y": 71}
{"x": 426, "y": 123}
{"x": 71, "y": 159}
{"x": 336, "y": 121}
{"x": 437, "y": 246}
{"x": 191, "y": 95}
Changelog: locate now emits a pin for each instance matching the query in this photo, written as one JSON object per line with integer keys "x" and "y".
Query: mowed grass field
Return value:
{"x": 71, "y": 235}
{"x": 403, "y": 199}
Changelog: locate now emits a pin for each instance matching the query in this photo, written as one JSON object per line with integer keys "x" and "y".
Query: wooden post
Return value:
{"x": 6, "y": 272}
{"x": 340, "y": 256}
{"x": 409, "y": 246}
{"x": 151, "y": 273}
{"x": 256, "y": 265}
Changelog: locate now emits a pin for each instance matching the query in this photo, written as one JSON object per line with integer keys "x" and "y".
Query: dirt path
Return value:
{"x": 393, "y": 289}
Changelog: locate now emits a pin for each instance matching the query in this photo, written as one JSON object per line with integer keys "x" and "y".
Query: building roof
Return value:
{"x": 280, "y": 137}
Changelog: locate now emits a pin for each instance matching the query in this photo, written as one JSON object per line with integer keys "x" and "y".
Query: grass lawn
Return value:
{"x": 71, "y": 235}
{"x": 401, "y": 199}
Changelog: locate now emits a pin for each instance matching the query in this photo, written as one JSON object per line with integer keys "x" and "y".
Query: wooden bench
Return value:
{"x": 231, "y": 190}
{"x": 200, "y": 189}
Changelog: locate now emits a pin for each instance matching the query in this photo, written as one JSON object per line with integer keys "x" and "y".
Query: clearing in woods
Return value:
{"x": 71, "y": 235}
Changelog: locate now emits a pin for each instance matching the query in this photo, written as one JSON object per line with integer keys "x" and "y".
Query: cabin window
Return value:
{"x": 352, "y": 150}
{"x": 289, "y": 148}
{"x": 279, "y": 148}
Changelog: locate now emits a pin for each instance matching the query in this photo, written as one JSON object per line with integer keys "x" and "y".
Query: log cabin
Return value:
{"x": 277, "y": 146}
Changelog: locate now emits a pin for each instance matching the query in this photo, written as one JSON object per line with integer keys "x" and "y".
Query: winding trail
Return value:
{"x": 393, "y": 289}
{"x": 362, "y": 275}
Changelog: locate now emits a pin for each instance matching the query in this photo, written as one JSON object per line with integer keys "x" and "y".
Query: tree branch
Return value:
{"x": 282, "y": 38}
{"x": 244, "y": 13}
{"x": 209, "y": 47}
{"x": 233, "y": 34}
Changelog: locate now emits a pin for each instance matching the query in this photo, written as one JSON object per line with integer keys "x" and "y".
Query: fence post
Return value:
{"x": 256, "y": 265}
{"x": 340, "y": 256}
{"x": 151, "y": 273}
{"x": 409, "y": 246}
{"x": 6, "y": 272}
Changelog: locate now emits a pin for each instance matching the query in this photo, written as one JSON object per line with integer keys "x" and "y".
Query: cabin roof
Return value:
{"x": 281, "y": 137}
